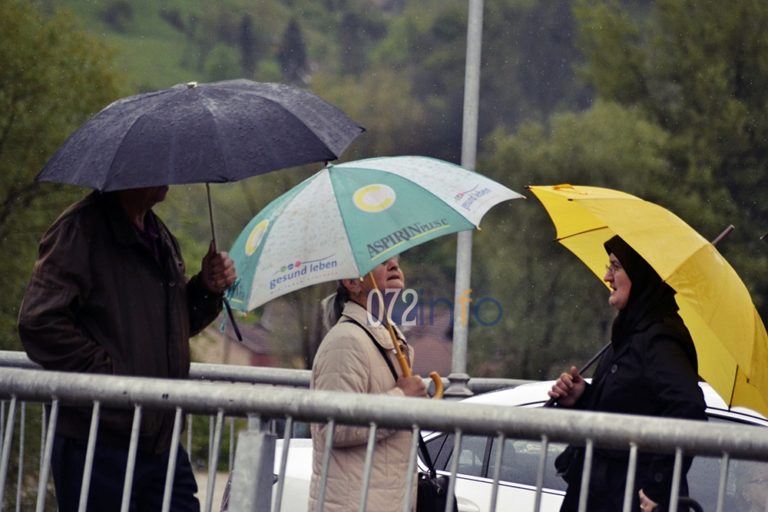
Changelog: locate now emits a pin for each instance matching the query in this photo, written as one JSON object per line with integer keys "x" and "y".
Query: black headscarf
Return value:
{"x": 650, "y": 298}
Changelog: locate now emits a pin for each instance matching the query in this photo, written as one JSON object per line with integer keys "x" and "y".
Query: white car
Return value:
{"x": 517, "y": 485}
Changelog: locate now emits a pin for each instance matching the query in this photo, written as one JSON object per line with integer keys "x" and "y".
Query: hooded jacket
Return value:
{"x": 100, "y": 300}
{"x": 347, "y": 360}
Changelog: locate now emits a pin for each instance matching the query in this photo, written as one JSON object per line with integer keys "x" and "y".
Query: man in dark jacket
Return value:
{"x": 649, "y": 369}
{"x": 108, "y": 294}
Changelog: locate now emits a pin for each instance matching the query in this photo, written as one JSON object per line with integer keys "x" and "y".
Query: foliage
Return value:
{"x": 292, "y": 54}
{"x": 526, "y": 73}
{"x": 555, "y": 311}
{"x": 699, "y": 70}
{"x": 52, "y": 79}
{"x": 381, "y": 102}
{"x": 682, "y": 98}
{"x": 222, "y": 63}
{"x": 664, "y": 99}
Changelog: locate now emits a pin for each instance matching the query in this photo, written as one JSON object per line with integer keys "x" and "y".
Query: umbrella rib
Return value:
{"x": 560, "y": 239}
{"x": 309, "y": 128}
{"x": 327, "y": 170}
{"x": 109, "y": 176}
{"x": 207, "y": 102}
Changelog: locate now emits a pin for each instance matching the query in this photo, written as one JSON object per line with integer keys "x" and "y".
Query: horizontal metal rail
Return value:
{"x": 260, "y": 374}
{"x": 661, "y": 434}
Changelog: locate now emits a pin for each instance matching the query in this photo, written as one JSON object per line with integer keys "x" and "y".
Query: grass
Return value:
{"x": 151, "y": 63}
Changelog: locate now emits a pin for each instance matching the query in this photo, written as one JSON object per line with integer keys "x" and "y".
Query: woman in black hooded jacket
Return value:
{"x": 650, "y": 368}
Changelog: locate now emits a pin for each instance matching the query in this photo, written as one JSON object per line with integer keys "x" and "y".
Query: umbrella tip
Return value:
{"x": 191, "y": 85}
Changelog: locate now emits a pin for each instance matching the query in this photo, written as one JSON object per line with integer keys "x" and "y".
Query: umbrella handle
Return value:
{"x": 438, "y": 385}
{"x": 407, "y": 372}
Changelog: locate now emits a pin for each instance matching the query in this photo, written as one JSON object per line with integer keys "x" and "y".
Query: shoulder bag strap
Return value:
{"x": 383, "y": 352}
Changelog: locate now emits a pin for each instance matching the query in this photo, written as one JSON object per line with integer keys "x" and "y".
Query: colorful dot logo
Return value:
{"x": 254, "y": 239}
{"x": 374, "y": 198}
{"x": 290, "y": 266}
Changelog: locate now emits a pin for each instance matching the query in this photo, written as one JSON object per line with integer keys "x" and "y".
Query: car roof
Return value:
{"x": 534, "y": 394}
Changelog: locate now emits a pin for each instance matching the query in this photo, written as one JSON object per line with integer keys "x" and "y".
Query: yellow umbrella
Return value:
{"x": 731, "y": 341}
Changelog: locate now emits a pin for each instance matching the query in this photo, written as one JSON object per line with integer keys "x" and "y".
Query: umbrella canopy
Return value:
{"x": 190, "y": 133}
{"x": 346, "y": 219}
{"x": 730, "y": 338}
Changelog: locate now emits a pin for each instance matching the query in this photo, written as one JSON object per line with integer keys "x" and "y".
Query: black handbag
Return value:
{"x": 432, "y": 490}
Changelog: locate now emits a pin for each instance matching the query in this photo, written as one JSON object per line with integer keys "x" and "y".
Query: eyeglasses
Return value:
{"x": 612, "y": 268}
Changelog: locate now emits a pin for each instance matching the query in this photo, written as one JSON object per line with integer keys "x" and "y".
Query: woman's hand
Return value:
{"x": 412, "y": 386}
{"x": 646, "y": 503}
{"x": 568, "y": 388}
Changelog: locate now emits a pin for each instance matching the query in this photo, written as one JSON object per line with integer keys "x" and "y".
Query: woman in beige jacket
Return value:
{"x": 348, "y": 360}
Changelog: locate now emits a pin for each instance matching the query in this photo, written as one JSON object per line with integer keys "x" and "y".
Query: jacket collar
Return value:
{"x": 121, "y": 226}
{"x": 356, "y": 312}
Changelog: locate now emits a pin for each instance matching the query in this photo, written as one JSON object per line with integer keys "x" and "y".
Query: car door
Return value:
{"x": 519, "y": 466}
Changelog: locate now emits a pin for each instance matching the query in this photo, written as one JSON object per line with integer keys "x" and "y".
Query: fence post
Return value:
{"x": 252, "y": 476}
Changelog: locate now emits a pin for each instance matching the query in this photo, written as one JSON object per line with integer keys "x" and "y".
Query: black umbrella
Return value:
{"x": 201, "y": 133}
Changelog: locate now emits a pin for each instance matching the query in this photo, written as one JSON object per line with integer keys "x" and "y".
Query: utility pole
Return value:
{"x": 458, "y": 378}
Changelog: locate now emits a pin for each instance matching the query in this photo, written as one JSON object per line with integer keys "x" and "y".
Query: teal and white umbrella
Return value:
{"x": 347, "y": 218}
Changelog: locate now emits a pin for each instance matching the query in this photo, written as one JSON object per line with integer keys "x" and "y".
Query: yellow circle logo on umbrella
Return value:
{"x": 254, "y": 239}
{"x": 374, "y": 198}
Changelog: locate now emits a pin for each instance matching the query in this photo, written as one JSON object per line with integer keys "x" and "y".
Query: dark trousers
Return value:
{"x": 108, "y": 474}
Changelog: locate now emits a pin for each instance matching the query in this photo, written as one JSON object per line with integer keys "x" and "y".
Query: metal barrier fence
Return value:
{"x": 254, "y": 457}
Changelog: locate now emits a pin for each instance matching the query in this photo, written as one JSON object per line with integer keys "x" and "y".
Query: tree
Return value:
{"x": 222, "y": 63}
{"x": 381, "y": 102}
{"x": 357, "y": 33}
{"x": 292, "y": 54}
{"x": 425, "y": 47}
{"x": 52, "y": 79}
{"x": 248, "y": 56}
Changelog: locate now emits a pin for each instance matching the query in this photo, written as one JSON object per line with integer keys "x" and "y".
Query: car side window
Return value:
{"x": 746, "y": 489}
{"x": 472, "y": 458}
{"x": 440, "y": 448}
{"x": 520, "y": 463}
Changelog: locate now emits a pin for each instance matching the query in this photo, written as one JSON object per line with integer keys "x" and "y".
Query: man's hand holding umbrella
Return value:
{"x": 217, "y": 270}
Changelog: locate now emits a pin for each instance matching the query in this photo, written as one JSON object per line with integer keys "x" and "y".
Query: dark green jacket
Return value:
{"x": 101, "y": 301}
